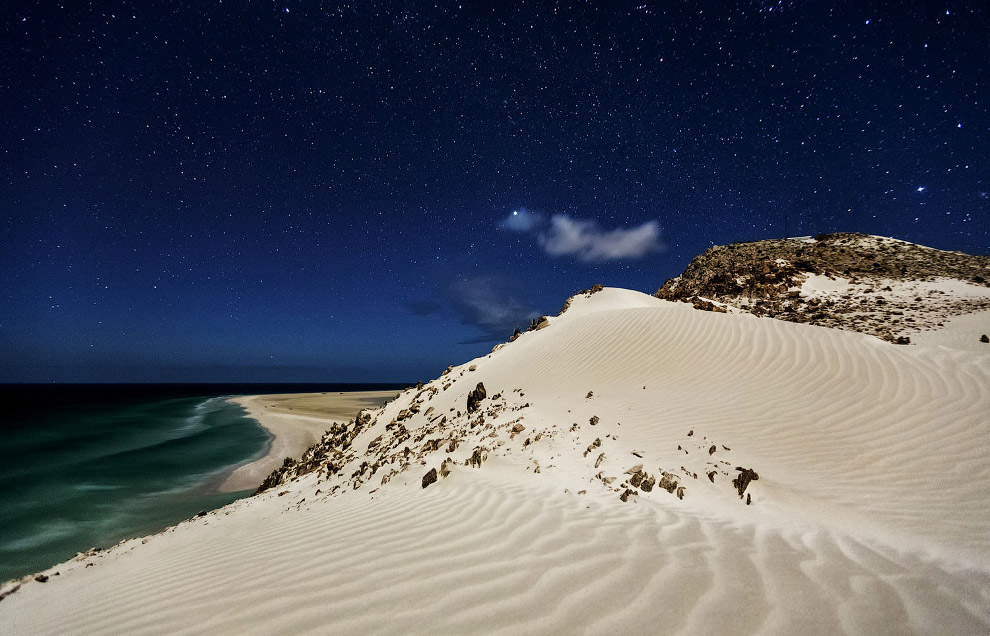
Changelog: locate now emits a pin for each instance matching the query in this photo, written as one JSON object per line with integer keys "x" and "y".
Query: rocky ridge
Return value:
{"x": 880, "y": 286}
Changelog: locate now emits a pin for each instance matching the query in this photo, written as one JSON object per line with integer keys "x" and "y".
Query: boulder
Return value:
{"x": 475, "y": 397}
{"x": 477, "y": 457}
{"x": 668, "y": 483}
{"x": 430, "y": 477}
{"x": 745, "y": 476}
{"x": 647, "y": 484}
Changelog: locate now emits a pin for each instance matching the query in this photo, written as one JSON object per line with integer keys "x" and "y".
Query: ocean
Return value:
{"x": 89, "y": 465}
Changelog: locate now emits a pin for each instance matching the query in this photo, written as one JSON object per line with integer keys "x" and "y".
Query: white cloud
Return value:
{"x": 586, "y": 241}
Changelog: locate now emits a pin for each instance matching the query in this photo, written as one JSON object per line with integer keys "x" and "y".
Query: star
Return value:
{"x": 921, "y": 188}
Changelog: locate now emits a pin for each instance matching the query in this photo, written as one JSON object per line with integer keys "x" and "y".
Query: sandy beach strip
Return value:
{"x": 296, "y": 421}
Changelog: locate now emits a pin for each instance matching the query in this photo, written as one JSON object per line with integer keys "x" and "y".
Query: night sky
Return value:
{"x": 312, "y": 191}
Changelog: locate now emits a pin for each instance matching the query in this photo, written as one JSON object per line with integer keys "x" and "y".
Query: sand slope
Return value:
{"x": 870, "y": 514}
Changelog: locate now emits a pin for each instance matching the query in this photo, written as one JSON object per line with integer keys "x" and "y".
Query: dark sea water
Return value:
{"x": 89, "y": 465}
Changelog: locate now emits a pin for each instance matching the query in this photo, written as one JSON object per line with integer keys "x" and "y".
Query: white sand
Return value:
{"x": 296, "y": 422}
{"x": 871, "y": 514}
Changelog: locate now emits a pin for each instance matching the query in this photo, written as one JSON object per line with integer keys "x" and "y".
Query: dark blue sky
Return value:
{"x": 306, "y": 191}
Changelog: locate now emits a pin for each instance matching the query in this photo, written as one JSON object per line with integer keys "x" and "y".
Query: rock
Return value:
{"x": 668, "y": 483}
{"x": 445, "y": 467}
{"x": 430, "y": 477}
{"x": 902, "y": 340}
{"x": 638, "y": 468}
{"x": 690, "y": 433}
{"x": 647, "y": 484}
{"x": 594, "y": 420}
{"x": 362, "y": 419}
{"x": 635, "y": 480}
{"x": 598, "y": 461}
{"x": 711, "y": 476}
{"x": 712, "y": 450}
{"x": 201, "y": 513}
{"x": 625, "y": 495}
{"x": 984, "y": 338}
{"x": 41, "y": 578}
{"x": 748, "y": 499}
{"x": 477, "y": 457}
{"x": 9, "y": 588}
{"x": 745, "y": 476}
{"x": 475, "y": 397}
{"x": 591, "y": 394}
{"x": 518, "y": 428}
{"x": 595, "y": 444}
{"x": 680, "y": 492}
{"x": 473, "y": 367}
{"x": 452, "y": 446}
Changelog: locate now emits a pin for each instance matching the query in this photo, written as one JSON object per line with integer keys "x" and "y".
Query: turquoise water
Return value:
{"x": 73, "y": 476}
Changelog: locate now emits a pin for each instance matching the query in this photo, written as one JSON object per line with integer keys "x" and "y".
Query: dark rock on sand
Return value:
{"x": 475, "y": 397}
{"x": 430, "y": 477}
{"x": 745, "y": 476}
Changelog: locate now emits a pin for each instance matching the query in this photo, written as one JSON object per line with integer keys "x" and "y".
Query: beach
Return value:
{"x": 295, "y": 421}
{"x": 635, "y": 465}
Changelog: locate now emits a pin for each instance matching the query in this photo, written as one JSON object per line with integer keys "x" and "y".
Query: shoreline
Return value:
{"x": 295, "y": 422}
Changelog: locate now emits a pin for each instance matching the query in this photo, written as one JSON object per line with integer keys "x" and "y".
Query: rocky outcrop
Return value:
{"x": 765, "y": 278}
{"x": 330, "y": 454}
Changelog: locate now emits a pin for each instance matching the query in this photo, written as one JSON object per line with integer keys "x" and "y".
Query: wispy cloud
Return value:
{"x": 585, "y": 239}
{"x": 490, "y": 305}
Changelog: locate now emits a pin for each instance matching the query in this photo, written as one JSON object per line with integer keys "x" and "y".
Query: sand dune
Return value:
{"x": 869, "y": 515}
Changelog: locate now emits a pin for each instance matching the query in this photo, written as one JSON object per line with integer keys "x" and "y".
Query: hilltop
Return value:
{"x": 880, "y": 286}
